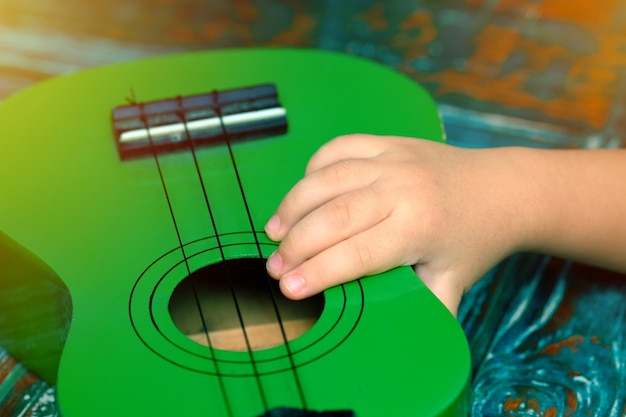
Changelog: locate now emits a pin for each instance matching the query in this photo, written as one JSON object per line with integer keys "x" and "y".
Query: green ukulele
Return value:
{"x": 133, "y": 203}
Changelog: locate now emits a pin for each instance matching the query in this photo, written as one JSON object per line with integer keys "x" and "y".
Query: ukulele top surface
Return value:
{"x": 383, "y": 344}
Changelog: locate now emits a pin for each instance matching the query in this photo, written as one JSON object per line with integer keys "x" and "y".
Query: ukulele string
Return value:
{"x": 257, "y": 376}
{"x": 217, "y": 109}
{"x": 185, "y": 259}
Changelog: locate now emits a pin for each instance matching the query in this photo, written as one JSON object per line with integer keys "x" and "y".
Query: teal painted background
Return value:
{"x": 547, "y": 337}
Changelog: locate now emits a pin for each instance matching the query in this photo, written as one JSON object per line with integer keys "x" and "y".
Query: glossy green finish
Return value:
{"x": 383, "y": 345}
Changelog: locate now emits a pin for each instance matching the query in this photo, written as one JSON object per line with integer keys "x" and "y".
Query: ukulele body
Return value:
{"x": 383, "y": 345}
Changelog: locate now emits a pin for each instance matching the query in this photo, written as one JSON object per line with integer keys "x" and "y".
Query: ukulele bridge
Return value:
{"x": 144, "y": 129}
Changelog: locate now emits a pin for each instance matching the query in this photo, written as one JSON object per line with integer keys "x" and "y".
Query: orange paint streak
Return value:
{"x": 573, "y": 343}
{"x": 116, "y": 33}
{"x": 299, "y": 33}
{"x": 412, "y": 44}
{"x": 417, "y": 20}
{"x": 26, "y": 381}
{"x": 9, "y": 363}
{"x": 609, "y": 55}
{"x": 588, "y": 87}
{"x": 182, "y": 33}
{"x": 375, "y": 17}
{"x": 583, "y": 13}
{"x": 494, "y": 45}
{"x": 516, "y": 7}
{"x": 512, "y": 404}
{"x": 508, "y": 92}
{"x": 571, "y": 402}
{"x": 533, "y": 404}
{"x": 246, "y": 11}
{"x": 212, "y": 31}
{"x": 550, "y": 412}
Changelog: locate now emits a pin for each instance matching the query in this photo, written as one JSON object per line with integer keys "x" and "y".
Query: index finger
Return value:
{"x": 355, "y": 146}
{"x": 318, "y": 188}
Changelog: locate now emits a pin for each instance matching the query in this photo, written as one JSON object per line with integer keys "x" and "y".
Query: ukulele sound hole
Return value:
{"x": 229, "y": 306}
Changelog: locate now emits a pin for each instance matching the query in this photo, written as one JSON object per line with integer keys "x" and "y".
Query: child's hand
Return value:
{"x": 368, "y": 204}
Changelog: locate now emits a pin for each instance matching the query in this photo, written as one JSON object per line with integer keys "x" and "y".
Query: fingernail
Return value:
{"x": 294, "y": 283}
{"x": 272, "y": 225}
{"x": 274, "y": 263}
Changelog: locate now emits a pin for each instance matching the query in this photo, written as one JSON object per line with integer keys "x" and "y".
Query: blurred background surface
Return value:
{"x": 547, "y": 336}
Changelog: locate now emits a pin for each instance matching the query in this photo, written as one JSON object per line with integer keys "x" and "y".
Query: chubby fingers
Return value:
{"x": 335, "y": 221}
{"x": 317, "y": 189}
{"x": 324, "y": 222}
{"x": 340, "y": 166}
{"x": 371, "y": 251}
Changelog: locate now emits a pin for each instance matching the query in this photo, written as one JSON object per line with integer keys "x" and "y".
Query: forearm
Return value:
{"x": 576, "y": 204}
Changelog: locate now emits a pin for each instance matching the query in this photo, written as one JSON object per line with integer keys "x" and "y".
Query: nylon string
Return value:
{"x": 186, "y": 261}
{"x": 218, "y": 110}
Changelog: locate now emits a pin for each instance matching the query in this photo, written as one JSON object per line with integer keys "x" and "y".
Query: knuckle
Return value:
{"x": 325, "y": 276}
{"x": 363, "y": 256}
{"x": 340, "y": 171}
{"x": 342, "y": 214}
{"x": 324, "y": 151}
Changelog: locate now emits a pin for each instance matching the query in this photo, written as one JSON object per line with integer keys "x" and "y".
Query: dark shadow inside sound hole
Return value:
{"x": 222, "y": 296}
